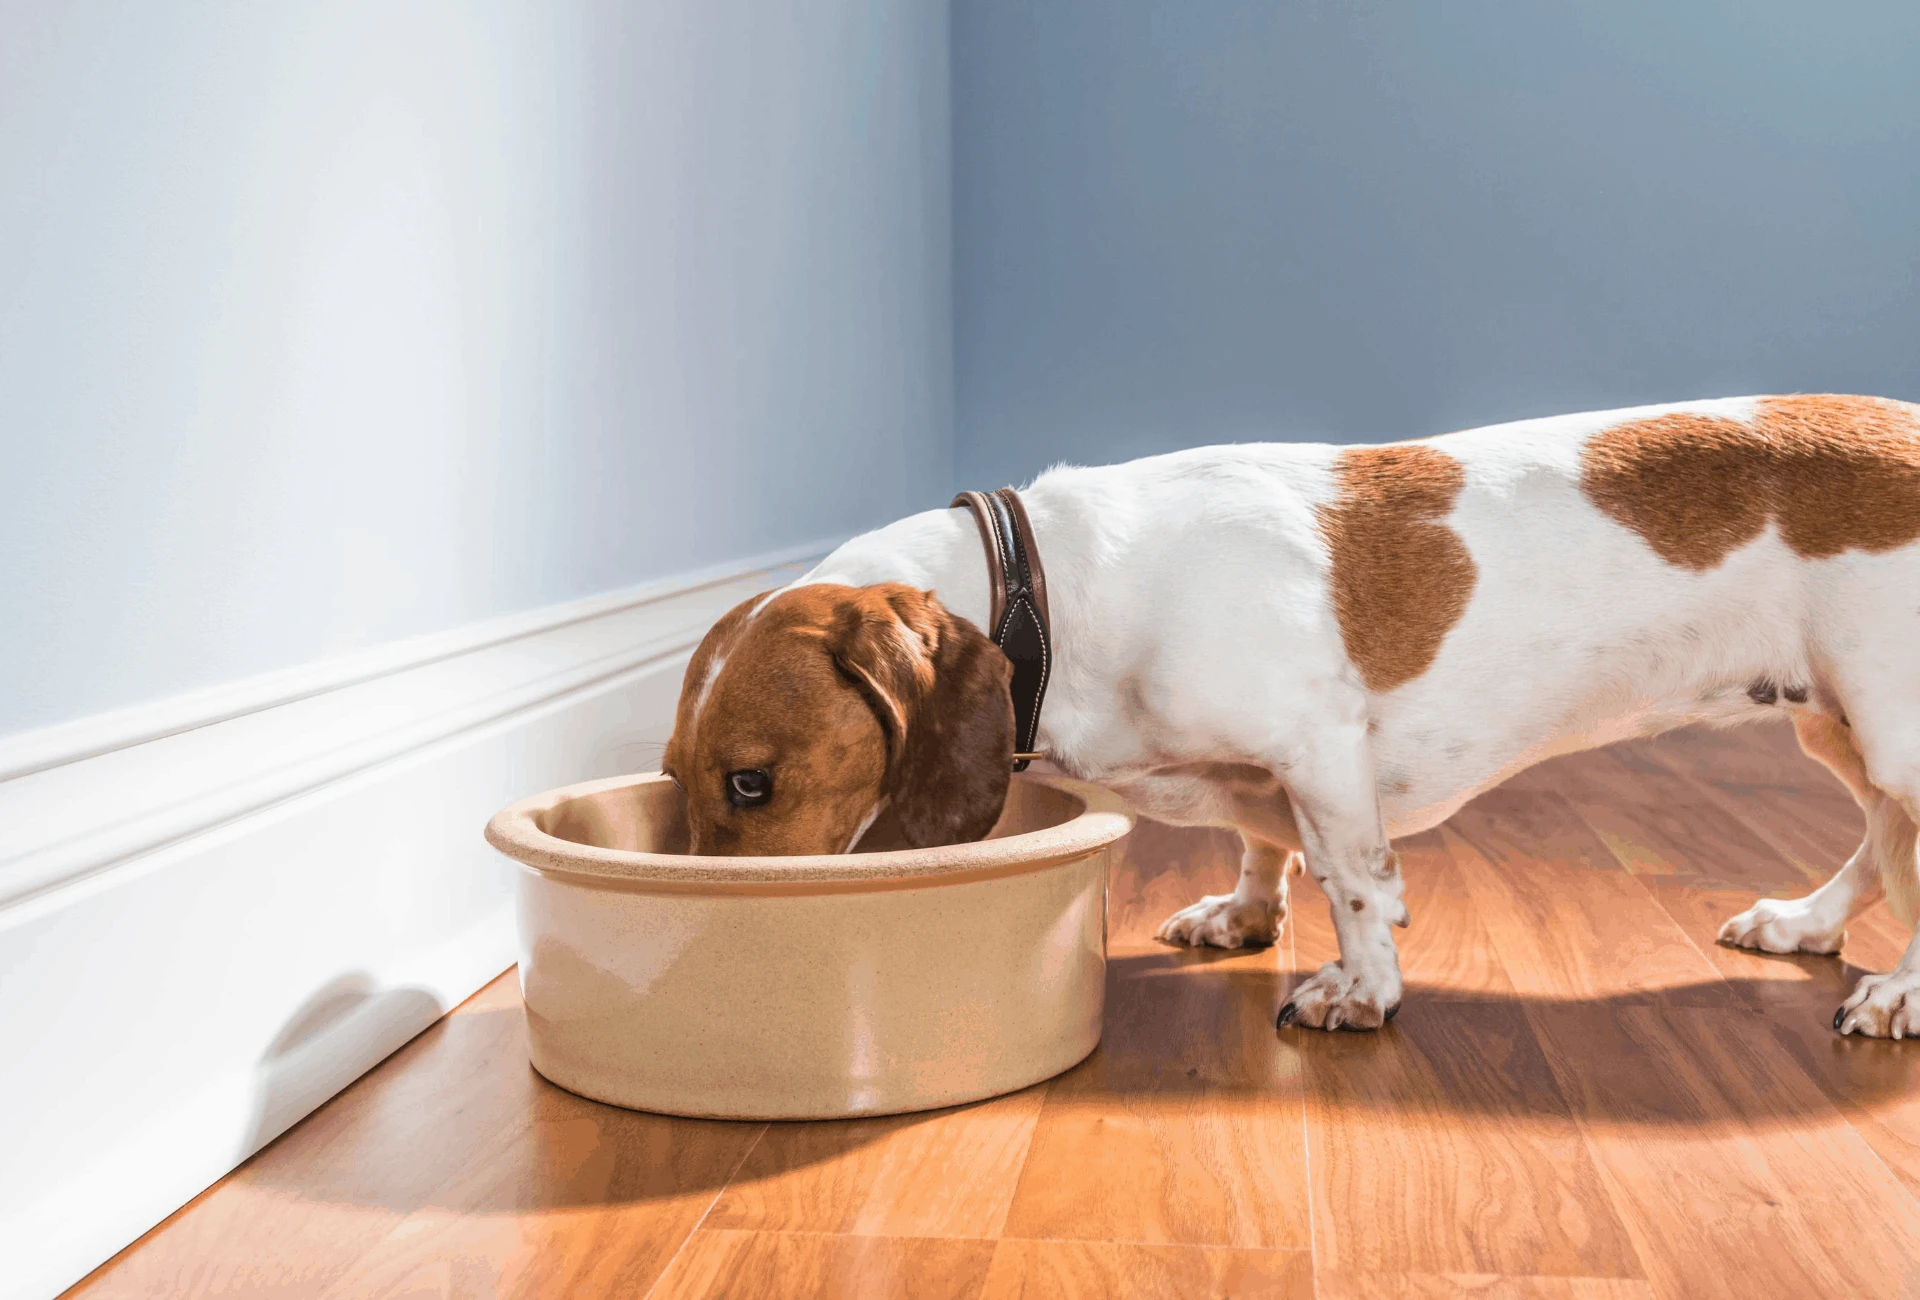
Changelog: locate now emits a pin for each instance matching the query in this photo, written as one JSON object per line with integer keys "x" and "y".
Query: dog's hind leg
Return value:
{"x": 1888, "y": 1006}
{"x": 1252, "y": 915}
{"x": 1817, "y": 923}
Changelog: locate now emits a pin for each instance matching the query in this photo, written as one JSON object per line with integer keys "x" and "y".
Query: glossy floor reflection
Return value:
{"x": 1582, "y": 1097}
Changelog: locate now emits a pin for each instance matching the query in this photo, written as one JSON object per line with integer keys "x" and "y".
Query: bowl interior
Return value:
{"x": 649, "y": 816}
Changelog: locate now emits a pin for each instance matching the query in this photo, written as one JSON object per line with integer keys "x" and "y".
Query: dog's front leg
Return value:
{"x": 1346, "y": 846}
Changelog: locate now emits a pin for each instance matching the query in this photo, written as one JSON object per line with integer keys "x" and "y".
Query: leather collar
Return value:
{"x": 1018, "y": 589}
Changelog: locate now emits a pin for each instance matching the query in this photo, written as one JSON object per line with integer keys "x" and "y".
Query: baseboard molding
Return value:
{"x": 218, "y": 911}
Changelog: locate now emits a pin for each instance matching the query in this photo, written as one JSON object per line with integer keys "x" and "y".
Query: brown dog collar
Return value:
{"x": 1017, "y": 588}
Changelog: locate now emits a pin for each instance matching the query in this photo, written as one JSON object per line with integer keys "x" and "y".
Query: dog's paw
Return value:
{"x": 1784, "y": 925}
{"x": 1224, "y": 921}
{"x": 1333, "y": 999}
{"x": 1882, "y": 1006}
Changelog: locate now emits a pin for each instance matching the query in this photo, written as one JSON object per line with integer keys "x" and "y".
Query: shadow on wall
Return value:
{"x": 347, "y": 1026}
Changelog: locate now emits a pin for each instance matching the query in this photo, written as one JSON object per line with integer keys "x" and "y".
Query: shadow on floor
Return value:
{"x": 1187, "y": 1024}
{"x": 483, "y": 1133}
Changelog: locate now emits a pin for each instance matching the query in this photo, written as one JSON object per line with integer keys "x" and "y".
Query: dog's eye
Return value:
{"x": 749, "y": 789}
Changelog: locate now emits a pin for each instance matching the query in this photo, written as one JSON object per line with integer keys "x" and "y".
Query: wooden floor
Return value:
{"x": 1583, "y": 1097}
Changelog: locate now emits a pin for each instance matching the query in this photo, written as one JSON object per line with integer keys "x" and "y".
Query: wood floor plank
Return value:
{"x": 1098, "y": 1270}
{"x": 732, "y": 1262}
{"x": 577, "y": 1199}
{"x": 1875, "y": 1084}
{"x": 1443, "y": 1145}
{"x": 1199, "y": 1167}
{"x": 1567, "y": 920}
{"x": 1725, "y": 1161}
{"x": 1783, "y": 796}
{"x": 1756, "y": 756}
{"x": 1409, "y": 1286}
{"x": 950, "y": 1173}
{"x": 1184, "y": 1126}
{"x": 1658, "y": 823}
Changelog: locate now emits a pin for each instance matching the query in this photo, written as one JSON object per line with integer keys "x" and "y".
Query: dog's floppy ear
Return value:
{"x": 940, "y": 690}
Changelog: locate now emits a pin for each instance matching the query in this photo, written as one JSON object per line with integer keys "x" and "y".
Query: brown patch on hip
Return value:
{"x": 1832, "y": 473}
{"x": 1401, "y": 578}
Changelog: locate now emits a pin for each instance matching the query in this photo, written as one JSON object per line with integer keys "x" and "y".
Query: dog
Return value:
{"x": 1328, "y": 647}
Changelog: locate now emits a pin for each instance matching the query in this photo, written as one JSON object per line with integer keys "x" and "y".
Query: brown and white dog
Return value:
{"x": 1328, "y": 647}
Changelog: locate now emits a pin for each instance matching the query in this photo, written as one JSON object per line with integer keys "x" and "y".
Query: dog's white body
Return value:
{"x": 1197, "y": 649}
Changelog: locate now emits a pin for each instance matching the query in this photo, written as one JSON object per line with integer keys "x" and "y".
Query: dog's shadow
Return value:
{"x": 1749, "y": 1053}
{"x": 1186, "y": 1033}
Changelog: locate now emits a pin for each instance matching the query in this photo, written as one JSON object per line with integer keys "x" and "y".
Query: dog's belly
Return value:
{"x": 1176, "y": 800}
{"x": 1238, "y": 795}
{"x": 1426, "y": 769}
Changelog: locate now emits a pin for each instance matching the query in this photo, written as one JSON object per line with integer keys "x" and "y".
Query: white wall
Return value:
{"x": 205, "y": 934}
{"x": 324, "y": 323}
{"x": 349, "y": 352}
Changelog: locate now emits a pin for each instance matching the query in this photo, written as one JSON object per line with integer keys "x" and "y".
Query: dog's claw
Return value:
{"x": 1393, "y": 1011}
{"x": 1285, "y": 1018}
{"x": 1838, "y": 1017}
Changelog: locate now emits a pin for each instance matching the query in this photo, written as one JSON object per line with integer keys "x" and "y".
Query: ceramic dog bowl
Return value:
{"x": 880, "y": 981}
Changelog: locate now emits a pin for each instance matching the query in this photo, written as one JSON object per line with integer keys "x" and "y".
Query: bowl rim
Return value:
{"x": 1103, "y": 819}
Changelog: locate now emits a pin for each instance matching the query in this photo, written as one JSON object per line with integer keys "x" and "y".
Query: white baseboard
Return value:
{"x": 217, "y": 912}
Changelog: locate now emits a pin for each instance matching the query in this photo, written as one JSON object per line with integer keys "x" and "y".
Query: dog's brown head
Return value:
{"x": 796, "y": 721}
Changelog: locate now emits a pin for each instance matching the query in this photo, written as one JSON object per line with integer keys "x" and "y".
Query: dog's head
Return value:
{"x": 797, "y": 721}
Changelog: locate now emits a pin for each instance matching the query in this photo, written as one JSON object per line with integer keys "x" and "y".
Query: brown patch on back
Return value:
{"x": 1833, "y": 474}
{"x": 1401, "y": 578}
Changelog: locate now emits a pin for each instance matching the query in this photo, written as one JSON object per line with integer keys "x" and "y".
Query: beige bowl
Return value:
{"x": 880, "y": 981}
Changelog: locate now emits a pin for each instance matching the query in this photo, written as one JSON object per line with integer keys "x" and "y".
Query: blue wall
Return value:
{"x": 1219, "y": 220}
{"x": 327, "y": 322}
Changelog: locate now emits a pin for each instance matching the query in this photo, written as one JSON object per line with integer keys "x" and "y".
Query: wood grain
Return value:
{"x": 946, "y": 1174}
{"x": 1717, "y": 1146}
{"x": 576, "y": 1199}
{"x": 1412, "y": 1286}
{"x": 728, "y": 1262}
{"x": 1184, "y": 1126}
{"x": 1658, "y": 823}
{"x": 1488, "y": 1172}
{"x": 1098, "y": 1270}
{"x": 1571, "y": 923}
{"x": 1784, "y": 797}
